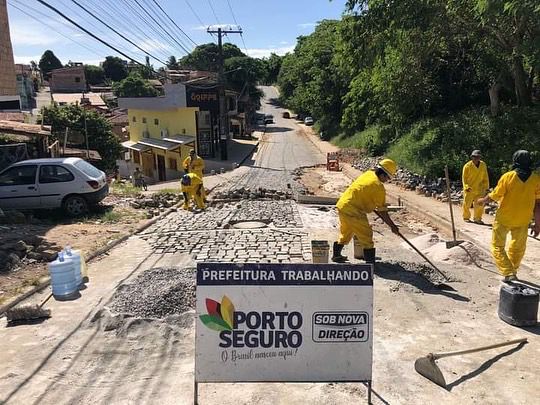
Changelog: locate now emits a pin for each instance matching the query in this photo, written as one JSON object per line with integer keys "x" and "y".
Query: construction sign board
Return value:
{"x": 284, "y": 322}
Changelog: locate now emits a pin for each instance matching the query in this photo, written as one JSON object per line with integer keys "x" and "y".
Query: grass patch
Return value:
{"x": 373, "y": 140}
{"x": 168, "y": 191}
{"x": 125, "y": 189}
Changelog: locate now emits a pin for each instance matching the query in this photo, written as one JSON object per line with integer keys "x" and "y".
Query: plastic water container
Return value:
{"x": 319, "y": 251}
{"x": 78, "y": 263}
{"x": 63, "y": 280}
{"x": 518, "y": 305}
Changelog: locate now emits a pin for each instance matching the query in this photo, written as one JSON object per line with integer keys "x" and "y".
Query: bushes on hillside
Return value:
{"x": 431, "y": 143}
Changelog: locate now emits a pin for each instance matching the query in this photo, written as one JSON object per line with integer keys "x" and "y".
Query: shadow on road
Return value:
{"x": 397, "y": 272}
{"x": 483, "y": 367}
{"x": 278, "y": 129}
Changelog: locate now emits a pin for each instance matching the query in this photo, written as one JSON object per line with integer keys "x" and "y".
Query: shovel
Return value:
{"x": 427, "y": 367}
{"x": 450, "y": 244}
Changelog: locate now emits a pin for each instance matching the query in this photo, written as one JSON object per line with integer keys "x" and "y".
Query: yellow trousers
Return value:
{"x": 358, "y": 226}
{"x": 198, "y": 201}
{"x": 469, "y": 198}
{"x": 508, "y": 262}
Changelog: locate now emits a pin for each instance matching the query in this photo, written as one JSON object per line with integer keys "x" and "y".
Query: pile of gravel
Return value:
{"x": 157, "y": 293}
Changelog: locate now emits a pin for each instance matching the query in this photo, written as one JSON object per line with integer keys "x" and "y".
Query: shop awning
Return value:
{"x": 135, "y": 146}
{"x": 159, "y": 143}
{"x": 180, "y": 139}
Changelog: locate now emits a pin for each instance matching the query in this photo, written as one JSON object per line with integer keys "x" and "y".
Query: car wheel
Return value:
{"x": 75, "y": 206}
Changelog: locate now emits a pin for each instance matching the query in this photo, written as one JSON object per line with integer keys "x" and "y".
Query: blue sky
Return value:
{"x": 269, "y": 26}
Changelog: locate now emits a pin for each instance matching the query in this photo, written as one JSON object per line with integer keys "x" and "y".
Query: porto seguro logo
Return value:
{"x": 252, "y": 329}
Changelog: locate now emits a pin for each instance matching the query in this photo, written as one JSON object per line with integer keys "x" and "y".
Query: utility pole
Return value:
{"x": 223, "y": 110}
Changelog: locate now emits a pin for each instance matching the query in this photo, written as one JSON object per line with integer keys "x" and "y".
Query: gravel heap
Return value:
{"x": 418, "y": 275}
{"x": 435, "y": 188}
{"x": 157, "y": 293}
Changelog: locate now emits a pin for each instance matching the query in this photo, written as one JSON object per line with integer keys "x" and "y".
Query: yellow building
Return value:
{"x": 162, "y": 131}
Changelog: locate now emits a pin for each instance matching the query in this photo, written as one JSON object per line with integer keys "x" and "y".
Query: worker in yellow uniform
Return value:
{"x": 192, "y": 189}
{"x": 366, "y": 194}
{"x": 195, "y": 164}
{"x": 475, "y": 185}
{"x": 518, "y": 195}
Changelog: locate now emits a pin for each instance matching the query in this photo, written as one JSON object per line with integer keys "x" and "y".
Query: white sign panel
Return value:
{"x": 283, "y": 322}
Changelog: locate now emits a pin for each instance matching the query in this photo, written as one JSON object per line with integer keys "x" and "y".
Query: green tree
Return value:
{"x": 100, "y": 135}
{"x": 134, "y": 86}
{"x": 206, "y": 56}
{"x": 272, "y": 65}
{"x": 49, "y": 62}
{"x": 114, "y": 68}
{"x": 94, "y": 74}
{"x": 172, "y": 63}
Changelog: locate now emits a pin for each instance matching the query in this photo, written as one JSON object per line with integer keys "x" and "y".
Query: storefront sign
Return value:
{"x": 283, "y": 322}
{"x": 206, "y": 100}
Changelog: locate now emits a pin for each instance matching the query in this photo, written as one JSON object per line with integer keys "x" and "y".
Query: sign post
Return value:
{"x": 284, "y": 323}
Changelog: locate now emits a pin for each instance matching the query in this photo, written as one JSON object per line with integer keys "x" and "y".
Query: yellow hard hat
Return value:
{"x": 389, "y": 166}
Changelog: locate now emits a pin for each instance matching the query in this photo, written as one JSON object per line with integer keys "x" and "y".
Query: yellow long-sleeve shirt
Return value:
{"x": 474, "y": 178}
{"x": 363, "y": 196}
{"x": 195, "y": 165}
{"x": 516, "y": 199}
{"x": 196, "y": 181}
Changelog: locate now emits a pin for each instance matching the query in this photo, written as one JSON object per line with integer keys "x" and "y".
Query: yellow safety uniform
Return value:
{"x": 191, "y": 192}
{"x": 475, "y": 185}
{"x": 363, "y": 196}
{"x": 516, "y": 207}
{"x": 195, "y": 165}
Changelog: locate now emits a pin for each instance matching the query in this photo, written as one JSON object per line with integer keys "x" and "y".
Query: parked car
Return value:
{"x": 69, "y": 183}
{"x": 286, "y": 114}
{"x": 308, "y": 121}
{"x": 268, "y": 119}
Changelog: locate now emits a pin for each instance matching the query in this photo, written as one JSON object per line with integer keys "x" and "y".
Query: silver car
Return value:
{"x": 69, "y": 183}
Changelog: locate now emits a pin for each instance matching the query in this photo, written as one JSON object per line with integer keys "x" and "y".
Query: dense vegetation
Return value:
{"x": 425, "y": 81}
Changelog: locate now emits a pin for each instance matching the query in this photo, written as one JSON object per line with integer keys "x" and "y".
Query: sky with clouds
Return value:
{"x": 268, "y": 26}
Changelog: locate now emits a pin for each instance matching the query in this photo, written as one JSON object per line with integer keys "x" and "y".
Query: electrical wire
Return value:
{"x": 232, "y": 12}
{"x": 164, "y": 30}
{"x": 181, "y": 30}
{"x": 238, "y": 26}
{"x": 194, "y": 13}
{"x": 116, "y": 32}
{"x": 13, "y": 3}
{"x": 213, "y": 11}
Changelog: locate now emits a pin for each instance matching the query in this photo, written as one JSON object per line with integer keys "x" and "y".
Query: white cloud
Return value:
{"x": 283, "y": 42}
{"x": 265, "y": 52}
{"x": 24, "y": 34}
{"x": 26, "y": 59}
{"x": 307, "y": 25}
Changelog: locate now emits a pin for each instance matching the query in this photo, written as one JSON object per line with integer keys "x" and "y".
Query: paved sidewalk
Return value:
{"x": 438, "y": 212}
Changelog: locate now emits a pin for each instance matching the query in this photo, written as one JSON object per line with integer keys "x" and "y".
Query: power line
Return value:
{"x": 213, "y": 11}
{"x": 232, "y": 12}
{"x": 166, "y": 32}
{"x": 119, "y": 21}
{"x": 12, "y": 4}
{"x": 181, "y": 30}
{"x": 116, "y": 32}
{"x": 88, "y": 32}
{"x": 135, "y": 12}
{"x": 194, "y": 13}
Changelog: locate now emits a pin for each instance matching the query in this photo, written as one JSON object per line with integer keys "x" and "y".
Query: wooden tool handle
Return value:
{"x": 436, "y": 356}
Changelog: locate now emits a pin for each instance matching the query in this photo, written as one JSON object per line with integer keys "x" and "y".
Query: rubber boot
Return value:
{"x": 369, "y": 255}
{"x": 337, "y": 257}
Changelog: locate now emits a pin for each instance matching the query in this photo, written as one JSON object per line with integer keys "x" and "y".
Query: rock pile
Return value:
{"x": 157, "y": 203}
{"x": 157, "y": 293}
{"x": 17, "y": 250}
{"x": 245, "y": 193}
{"x": 435, "y": 188}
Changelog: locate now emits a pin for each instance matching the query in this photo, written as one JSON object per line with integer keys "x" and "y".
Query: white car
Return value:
{"x": 308, "y": 121}
{"x": 69, "y": 183}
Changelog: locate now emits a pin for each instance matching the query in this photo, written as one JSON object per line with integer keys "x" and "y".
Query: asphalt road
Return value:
{"x": 282, "y": 149}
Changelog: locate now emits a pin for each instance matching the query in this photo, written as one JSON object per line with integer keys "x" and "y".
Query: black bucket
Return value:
{"x": 518, "y": 305}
